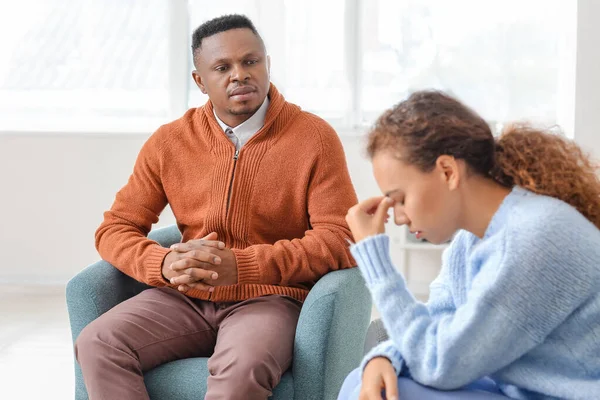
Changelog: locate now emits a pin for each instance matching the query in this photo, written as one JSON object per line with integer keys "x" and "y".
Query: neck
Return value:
{"x": 482, "y": 198}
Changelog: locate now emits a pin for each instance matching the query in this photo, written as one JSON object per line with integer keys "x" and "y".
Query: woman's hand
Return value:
{"x": 379, "y": 374}
{"x": 368, "y": 217}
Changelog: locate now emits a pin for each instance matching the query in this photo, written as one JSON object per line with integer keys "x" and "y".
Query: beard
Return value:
{"x": 243, "y": 110}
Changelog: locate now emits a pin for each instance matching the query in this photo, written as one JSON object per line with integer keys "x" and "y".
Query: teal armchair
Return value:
{"x": 329, "y": 337}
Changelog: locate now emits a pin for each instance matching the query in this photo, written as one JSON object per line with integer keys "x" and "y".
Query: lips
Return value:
{"x": 241, "y": 91}
{"x": 418, "y": 234}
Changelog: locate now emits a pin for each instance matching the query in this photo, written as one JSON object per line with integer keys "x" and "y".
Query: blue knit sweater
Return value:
{"x": 521, "y": 305}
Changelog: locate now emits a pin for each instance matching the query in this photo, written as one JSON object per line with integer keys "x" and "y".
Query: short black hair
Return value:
{"x": 221, "y": 24}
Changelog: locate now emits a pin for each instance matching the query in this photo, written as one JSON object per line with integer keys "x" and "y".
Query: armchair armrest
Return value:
{"x": 100, "y": 286}
{"x": 330, "y": 335}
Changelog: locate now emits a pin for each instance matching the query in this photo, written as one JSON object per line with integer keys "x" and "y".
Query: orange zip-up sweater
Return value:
{"x": 279, "y": 204}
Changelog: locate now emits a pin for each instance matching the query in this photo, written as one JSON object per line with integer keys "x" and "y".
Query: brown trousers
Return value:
{"x": 250, "y": 343}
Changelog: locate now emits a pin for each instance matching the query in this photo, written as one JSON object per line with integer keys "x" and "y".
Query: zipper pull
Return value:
{"x": 236, "y": 155}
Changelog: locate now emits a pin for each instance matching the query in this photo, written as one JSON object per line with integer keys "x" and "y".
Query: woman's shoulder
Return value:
{"x": 542, "y": 218}
{"x": 551, "y": 234}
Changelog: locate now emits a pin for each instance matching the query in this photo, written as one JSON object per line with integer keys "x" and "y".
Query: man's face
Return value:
{"x": 233, "y": 69}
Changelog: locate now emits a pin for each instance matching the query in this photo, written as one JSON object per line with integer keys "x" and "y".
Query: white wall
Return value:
{"x": 55, "y": 188}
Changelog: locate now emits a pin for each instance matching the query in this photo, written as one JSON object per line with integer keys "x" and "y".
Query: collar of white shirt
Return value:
{"x": 248, "y": 128}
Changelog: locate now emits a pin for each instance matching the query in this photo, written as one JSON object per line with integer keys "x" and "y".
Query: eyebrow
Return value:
{"x": 228, "y": 60}
{"x": 388, "y": 194}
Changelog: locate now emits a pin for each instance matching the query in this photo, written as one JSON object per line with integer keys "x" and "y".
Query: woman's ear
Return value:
{"x": 450, "y": 169}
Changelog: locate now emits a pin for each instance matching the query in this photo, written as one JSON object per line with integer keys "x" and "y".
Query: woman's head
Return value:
{"x": 427, "y": 147}
{"x": 421, "y": 149}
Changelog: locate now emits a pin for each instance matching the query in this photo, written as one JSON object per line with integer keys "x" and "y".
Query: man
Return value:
{"x": 260, "y": 190}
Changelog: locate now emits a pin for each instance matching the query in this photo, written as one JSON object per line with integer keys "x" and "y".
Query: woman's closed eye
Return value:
{"x": 398, "y": 200}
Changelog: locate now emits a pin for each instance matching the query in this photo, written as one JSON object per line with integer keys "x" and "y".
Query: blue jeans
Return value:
{"x": 484, "y": 389}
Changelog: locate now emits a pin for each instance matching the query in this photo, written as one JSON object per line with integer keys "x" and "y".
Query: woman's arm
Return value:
{"x": 518, "y": 297}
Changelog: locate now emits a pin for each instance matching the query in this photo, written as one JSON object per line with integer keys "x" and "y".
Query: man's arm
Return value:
{"x": 324, "y": 247}
{"x": 122, "y": 239}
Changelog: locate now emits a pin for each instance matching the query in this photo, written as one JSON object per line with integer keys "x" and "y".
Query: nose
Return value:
{"x": 400, "y": 217}
{"x": 239, "y": 73}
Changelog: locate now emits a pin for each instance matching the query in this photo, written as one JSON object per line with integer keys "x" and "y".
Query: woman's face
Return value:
{"x": 427, "y": 202}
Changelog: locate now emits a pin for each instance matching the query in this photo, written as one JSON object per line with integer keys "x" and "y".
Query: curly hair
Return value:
{"x": 431, "y": 123}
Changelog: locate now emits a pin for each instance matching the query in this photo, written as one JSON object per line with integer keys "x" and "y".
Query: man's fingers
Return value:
{"x": 209, "y": 240}
{"x": 211, "y": 236}
{"x": 208, "y": 243}
{"x": 196, "y": 285}
{"x": 182, "y": 279}
{"x": 204, "y": 255}
{"x": 186, "y": 262}
{"x": 202, "y": 274}
{"x": 192, "y": 275}
{"x": 197, "y": 244}
{"x": 183, "y": 288}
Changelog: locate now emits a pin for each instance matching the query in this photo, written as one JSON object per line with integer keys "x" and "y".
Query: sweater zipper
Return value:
{"x": 235, "y": 158}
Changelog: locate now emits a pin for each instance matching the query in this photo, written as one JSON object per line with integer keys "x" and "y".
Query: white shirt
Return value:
{"x": 244, "y": 131}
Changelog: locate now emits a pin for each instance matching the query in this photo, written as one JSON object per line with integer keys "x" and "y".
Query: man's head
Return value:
{"x": 232, "y": 66}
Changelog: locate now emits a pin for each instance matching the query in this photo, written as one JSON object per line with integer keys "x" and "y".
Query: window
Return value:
{"x": 501, "y": 61}
{"x": 84, "y": 64}
{"x": 119, "y": 65}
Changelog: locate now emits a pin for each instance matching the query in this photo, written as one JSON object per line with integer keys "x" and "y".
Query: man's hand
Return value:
{"x": 194, "y": 266}
{"x": 222, "y": 263}
{"x": 368, "y": 217}
{"x": 379, "y": 375}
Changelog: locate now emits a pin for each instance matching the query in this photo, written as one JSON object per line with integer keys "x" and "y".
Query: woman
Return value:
{"x": 517, "y": 301}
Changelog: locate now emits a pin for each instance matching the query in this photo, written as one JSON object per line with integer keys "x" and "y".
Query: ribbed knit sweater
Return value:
{"x": 279, "y": 203}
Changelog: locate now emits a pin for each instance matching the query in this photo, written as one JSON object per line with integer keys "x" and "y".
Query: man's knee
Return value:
{"x": 86, "y": 345}
{"x": 249, "y": 372}
{"x": 96, "y": 340}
